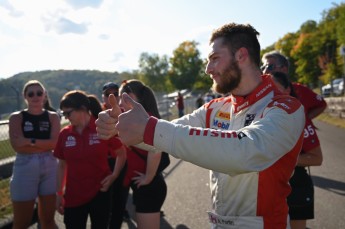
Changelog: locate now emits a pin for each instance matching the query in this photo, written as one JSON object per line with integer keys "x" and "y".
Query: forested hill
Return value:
{"x": 57, "y": 83}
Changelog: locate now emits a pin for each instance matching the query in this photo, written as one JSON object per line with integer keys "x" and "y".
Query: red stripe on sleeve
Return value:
{"x": 150, "y": 130}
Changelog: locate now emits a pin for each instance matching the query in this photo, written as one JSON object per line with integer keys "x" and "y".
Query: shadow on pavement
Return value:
{"x": 334, "y": 186}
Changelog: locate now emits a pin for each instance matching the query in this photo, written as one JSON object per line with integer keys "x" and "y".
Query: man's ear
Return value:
{"x": 241, "y": 54}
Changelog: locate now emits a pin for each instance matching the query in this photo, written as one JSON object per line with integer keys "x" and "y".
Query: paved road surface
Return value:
{"x": 188, "y": 190}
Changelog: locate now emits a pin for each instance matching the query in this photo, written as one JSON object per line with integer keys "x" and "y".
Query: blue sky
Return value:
{"x": 109, "y": 35}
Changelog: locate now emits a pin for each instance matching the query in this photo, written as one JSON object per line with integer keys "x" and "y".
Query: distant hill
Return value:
{"x": 57, "y": 83}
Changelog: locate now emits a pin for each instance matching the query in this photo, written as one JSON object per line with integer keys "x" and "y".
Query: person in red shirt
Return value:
{"x": 313, "y": 103}
{"x": 84, "y": 176}
{"x": 180, "y": 105}
{"x": 301, "y": 198}
{"x": 143, "y": 172}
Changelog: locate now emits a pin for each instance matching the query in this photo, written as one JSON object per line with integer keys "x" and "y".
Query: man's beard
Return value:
{"x": 229, "y": 79}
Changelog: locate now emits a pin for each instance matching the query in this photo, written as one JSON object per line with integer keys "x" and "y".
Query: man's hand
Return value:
{"x": 131, "y": 124}
{"x": 107, "y": 119}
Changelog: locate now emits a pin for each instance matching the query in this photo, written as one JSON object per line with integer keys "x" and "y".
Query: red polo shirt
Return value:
{"x": 86, "y": 157}
{"x": 308, "y": 98}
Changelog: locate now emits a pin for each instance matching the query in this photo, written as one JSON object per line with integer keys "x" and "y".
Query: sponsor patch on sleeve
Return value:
{"x": 287, "y": 103}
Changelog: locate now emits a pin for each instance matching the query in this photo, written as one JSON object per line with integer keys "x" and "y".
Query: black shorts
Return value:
{"x": 301, "y": 198}
{"x": 150, "y": 198}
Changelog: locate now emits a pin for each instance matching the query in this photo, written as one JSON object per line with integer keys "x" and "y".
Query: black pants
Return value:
{"x": 119, "y": 195}
{"x": 97, "y": 208}
{"x": 301, "y": 198}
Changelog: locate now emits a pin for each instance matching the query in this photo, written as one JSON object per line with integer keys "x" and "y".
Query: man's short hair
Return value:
{"x": 237, "y": 36}
{"x": 110, "y": 85}
{"x": 280, "y": 58}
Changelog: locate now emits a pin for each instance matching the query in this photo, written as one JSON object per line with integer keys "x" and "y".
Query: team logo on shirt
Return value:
{"x": 28, "y": 126}
{"x": 249, "y": 119}
{"x": 93, "y": 139}
{"x": 223, "y": 115}
{"x": 220, "y": 124}
{"x": 70, "y": 141}
{"x": 221, "y": 120}
{"x": 43, "y": 125}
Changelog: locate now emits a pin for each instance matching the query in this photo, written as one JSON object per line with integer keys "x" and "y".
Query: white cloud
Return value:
{"x": 110, "y": 35}
{"x": 63, "y": 25}
{"x": 78, "y": 4}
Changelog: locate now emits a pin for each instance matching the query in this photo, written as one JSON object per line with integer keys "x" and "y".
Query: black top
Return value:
{"x": 36, "y": 126}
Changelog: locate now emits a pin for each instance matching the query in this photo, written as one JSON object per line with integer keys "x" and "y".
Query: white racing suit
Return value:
{"x": 250, "y": 145}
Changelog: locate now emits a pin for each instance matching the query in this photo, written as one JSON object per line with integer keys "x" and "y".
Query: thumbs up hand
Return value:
{"x": 115, "y": 110}
{"x": 131, "y": 124}
{"x": 105, "y": 124}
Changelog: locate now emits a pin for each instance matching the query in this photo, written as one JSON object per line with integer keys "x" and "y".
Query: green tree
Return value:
{"x": 153, "y": 70}
{"x": 203, "y": 81}
{"x": 185, "y": 65}
{"x": 306, "y": 55}
{"x": 285, "y": 46}
{"x": 328, "y": 42}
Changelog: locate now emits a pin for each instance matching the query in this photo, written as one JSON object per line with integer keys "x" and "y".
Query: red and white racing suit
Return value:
{"x": 250, "y": 145}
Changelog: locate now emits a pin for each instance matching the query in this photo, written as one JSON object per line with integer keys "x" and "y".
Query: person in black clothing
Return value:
{"x": 33, "y": 134}
{"x": 119, "y": 194}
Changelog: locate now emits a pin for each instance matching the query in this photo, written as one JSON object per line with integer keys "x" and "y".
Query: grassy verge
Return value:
{"x": 336, "y": 121}
{"x": 5, "y": 202}
{"x": 6, "y": 149}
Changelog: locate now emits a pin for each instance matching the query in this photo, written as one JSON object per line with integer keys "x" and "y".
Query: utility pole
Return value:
{"x": 17, "y": 97}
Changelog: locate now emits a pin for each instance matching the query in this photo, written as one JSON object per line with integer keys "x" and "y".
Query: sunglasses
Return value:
{"x": 32, "y": 94}
{"x": 115, "y": 93}
{"x": 269, "y": 67}
{"x": 67, "y": 113}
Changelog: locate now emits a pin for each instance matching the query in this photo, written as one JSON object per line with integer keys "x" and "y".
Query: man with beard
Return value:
{"x": 249, "y": 140}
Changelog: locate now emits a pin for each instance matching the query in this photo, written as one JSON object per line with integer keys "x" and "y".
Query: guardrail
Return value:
{"x": 6, "y": 164}
{"x": 336, "y": 106}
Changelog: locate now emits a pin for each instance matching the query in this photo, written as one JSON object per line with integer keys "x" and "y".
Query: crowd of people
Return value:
{"x": 258, "y": 161}
{"x": 74, "y": 172}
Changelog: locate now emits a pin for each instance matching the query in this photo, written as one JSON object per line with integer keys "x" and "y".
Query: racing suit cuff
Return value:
{"x": 150, "y": 130}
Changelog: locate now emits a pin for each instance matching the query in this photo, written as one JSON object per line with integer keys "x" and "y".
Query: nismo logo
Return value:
{"x": 212, "y": 133}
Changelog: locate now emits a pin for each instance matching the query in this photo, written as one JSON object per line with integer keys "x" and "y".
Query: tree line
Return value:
{"x": 313, "y": 52}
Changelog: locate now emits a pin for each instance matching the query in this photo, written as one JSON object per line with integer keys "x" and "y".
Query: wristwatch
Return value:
{"x": 33, "y": 141}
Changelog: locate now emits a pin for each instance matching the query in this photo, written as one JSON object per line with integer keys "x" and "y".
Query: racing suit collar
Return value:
{"x": 265, "y": 87}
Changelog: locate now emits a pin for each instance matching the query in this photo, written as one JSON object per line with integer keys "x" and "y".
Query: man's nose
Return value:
{"x": 208, "y": 69}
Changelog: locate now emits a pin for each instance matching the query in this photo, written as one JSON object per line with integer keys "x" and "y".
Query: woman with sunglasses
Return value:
{"x": 84, "y": 175}
{"x": 33, "y": 134}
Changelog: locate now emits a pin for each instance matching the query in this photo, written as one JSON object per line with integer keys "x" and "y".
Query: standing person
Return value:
{"x": 33, "y": 134}
{"x": 119, "y": 193}
{"x": 109, "y": 88}
{"x": 247, "y": 139}
{"x": 199, "y": 102}
{"x": 301, "y": 198}
{"x": 180, "y": 104}
{"x": 313, "y": 103}
{"x": 144, "y": 174}
{"x": 84, "y": 176}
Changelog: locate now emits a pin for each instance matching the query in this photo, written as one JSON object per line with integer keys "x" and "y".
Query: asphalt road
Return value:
{"x": 189, "y": 196}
